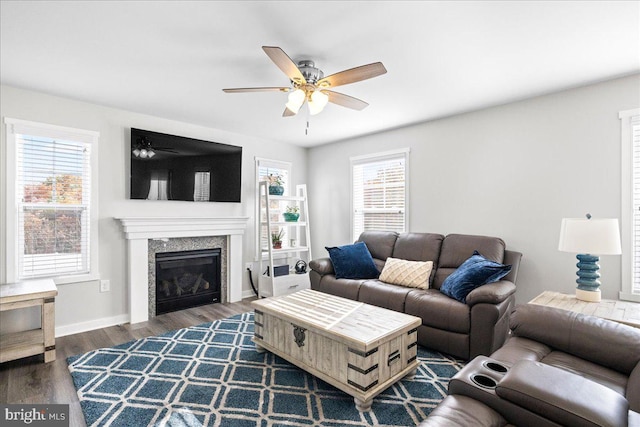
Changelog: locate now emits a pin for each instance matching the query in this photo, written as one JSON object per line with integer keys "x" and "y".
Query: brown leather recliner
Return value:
{"x": 560, "y": 368}
{"x": 464, "y": 330}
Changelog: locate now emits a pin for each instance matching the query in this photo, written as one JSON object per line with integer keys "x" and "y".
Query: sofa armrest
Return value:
{"x": 322, "y": 266}
{"x": 562, "y": 396}
{"x": 492, "y": 293}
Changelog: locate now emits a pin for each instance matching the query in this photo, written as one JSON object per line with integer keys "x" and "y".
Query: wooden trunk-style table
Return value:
{"x": 32, "y": 293}
{"x": 358, "y": 348}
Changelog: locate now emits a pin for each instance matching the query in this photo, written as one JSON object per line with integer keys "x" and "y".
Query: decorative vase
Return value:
{"x": 277, "y": 245}
{"x": 276, "y": 190}
{"x": 291, "y": 216}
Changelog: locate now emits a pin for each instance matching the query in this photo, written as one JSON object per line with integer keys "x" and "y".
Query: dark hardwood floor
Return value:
{"x": 30, "y": 380}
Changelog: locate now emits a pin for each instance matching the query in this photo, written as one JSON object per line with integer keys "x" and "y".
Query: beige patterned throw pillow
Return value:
{"x": 414, "y": 274}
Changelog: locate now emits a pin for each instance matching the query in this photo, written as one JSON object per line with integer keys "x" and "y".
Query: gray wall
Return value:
{"x": 81, "y": 306}
{"x": 512, "y": 171}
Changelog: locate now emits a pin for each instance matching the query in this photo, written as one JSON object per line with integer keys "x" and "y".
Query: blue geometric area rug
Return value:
{"x": 211, "y": 375}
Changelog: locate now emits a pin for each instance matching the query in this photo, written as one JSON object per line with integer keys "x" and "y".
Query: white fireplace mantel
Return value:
{"x": 138, "y": 231}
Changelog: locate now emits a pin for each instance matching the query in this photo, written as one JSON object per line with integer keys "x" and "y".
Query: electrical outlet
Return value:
{"x": 248, "y": 266}
{"x": 105, "y": 286}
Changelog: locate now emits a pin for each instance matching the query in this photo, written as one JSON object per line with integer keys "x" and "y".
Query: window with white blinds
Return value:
{"x": 51, "y": 222}
{"x": 630, "y": 123}
{"x": 264, "y": 169}
{"x": 379, "y": 185}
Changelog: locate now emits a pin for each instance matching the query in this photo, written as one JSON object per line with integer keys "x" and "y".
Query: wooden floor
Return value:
{"x": 29, "y": 380}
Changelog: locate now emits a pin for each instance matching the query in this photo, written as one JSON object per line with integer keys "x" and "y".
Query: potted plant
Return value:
{"x": 275, "y": 184}
{"x": 291, "y": 214}
{"x": 276, "y": 239}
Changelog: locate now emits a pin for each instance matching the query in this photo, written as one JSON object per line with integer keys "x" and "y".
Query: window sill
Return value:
{"x": 66, "y": 280}
{"x": 625, "y": 296}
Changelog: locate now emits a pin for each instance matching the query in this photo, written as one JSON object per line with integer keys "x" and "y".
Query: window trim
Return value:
{"x": 626, "y": 273}
{"x": 262, "y": 162}
{"x": 367, "y": 158}
{"x": 18, "y": 126}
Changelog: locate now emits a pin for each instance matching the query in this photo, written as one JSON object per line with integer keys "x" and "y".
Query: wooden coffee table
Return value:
{"x": 358, "y": 348}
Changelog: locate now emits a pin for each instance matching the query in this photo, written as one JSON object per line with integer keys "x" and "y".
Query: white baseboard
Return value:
{"x": 91, "y": 325}
{"x": 248, "y": 294}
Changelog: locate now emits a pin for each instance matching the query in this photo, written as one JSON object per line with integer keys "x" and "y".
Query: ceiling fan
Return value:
{"x": 309, "y": 84}
{"x": 144, "y": 150}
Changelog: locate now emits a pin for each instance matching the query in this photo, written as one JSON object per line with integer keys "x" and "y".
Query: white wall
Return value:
{"x": 81, "y": 305}
{"x": 512, "y": 171}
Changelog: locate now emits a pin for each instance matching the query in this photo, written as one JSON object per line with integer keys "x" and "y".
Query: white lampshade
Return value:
{"x": 317, "y": 102}
{"x": 590, "y": 236}
{"x": 150, "y": 153}
{"x": 295, "y": 100}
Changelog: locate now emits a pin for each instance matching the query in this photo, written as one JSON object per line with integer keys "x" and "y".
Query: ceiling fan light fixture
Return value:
{"x": 136, "y": 152}
{"x": 150, "y": 153}
{"x": 295, "y": 100}
{"x": 317, "y": 102}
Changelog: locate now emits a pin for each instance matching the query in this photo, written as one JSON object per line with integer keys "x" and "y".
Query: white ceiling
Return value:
{"x": 171, "y": 59}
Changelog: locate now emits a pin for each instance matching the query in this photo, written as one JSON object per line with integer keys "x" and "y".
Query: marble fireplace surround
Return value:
{"x": 139, "y": 230}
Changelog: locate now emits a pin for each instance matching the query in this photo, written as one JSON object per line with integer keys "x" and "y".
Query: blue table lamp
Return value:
{"x": 589, "y": 238}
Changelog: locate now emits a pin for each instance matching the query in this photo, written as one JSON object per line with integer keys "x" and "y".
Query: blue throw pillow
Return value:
{"x": 353, "y": 262}
{"x": 474, "y": 272}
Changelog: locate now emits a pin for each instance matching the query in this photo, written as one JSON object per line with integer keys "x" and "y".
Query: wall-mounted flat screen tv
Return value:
{"x": 169, "y": 167}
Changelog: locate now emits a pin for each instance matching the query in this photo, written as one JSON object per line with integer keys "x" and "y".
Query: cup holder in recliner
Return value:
{"x": 484, "y": 381}
{"x": 496, "y": 367}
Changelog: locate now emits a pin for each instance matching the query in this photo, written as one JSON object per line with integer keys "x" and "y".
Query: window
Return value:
{"x": 379, "y": 185}
{"x": 201, "y": 186}
{"x": 264, "y": 168}
{"x": 51, "y": 220}
{"x": 630, "y": 130}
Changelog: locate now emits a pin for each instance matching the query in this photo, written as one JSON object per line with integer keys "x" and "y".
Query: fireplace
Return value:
{"x": 187, "y": 279}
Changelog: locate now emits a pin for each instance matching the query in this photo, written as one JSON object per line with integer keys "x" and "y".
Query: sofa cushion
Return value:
{"x": 345, "y": 288}
{"x": 562, "y": 397}
{"x": 587, "y": 337}
{"x": 418, "y": 247}
{"x": 438, "y": 310}
{"x": 353, "y": 262}
{"x": 379, "y": 243}
{"x": 413, "y": 274}
{"x": 474, "y": 272}
{"x": 458, "y": 410}
{"x": 384, "y": 295}
{"x": 598, "y": 373}
{"x": 457, "y": 248}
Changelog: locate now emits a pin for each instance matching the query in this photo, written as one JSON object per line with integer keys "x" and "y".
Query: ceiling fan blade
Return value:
{"x": 285, "y": 63}
{"x": 345, "y": 100}
{"x": 288, "y": 113}
{"x": 256, "y": 89}
{"x": 353, "y": 75}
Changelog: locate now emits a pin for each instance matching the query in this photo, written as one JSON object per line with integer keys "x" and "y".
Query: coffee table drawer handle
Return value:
{"x": 299, "y": 334}
{"x": 393, "y": 357}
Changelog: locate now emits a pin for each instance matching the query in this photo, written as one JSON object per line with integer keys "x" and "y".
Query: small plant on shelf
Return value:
{"x": 291, "y": 214}
{"x": 276, "y": 239}
{"x": 276, "y": 183}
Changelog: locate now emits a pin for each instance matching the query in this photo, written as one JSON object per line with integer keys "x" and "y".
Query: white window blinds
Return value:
{"x": 379, "y": 192}
{"x": 635, "y": 216}
{"x": 53, "y": 186}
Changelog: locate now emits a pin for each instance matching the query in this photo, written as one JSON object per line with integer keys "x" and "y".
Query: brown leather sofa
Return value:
{"x": 464, "y": 330}
{"x": 558, "y": 368}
